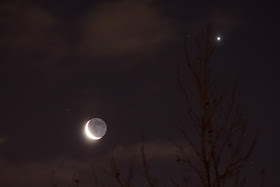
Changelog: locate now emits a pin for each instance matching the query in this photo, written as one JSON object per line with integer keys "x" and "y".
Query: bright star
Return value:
{"x": 218, "y": 38}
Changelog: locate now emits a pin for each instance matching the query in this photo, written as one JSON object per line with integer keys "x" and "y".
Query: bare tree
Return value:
{"x": 114, "y": 172}
{"x": 127, "y": 181}
{"x": 54, "y": 179}
{"x": 75, "y": 179}
{"x": 147, "y": 172}
{"x": 216, "y": 117}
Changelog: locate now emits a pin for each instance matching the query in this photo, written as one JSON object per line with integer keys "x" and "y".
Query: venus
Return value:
{"x": 95, "y": 128}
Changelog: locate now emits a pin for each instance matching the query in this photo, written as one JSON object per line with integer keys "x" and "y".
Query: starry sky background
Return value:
{"x": 63, "y": 63}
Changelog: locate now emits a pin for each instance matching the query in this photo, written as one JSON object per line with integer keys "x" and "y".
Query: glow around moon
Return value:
{"x": 95, "y": 128}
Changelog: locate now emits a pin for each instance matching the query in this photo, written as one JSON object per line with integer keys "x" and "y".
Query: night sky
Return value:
{"x": 63, "y": 63}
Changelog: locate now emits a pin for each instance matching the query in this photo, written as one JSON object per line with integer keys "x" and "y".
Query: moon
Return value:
{"x": 95, "y": 128}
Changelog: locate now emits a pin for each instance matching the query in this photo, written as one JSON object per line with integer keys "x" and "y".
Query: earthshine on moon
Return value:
{"x": 95, "y": 128}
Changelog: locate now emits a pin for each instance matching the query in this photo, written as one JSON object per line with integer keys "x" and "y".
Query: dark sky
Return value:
{"x": 63, "y": 63}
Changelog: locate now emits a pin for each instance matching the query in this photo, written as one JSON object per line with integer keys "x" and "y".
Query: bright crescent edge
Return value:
{"x": 89, "y": 134}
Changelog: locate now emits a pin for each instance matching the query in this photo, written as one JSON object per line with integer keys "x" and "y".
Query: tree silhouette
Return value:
{"x": 127, "y": 181}
{"x": 220, "y": 151}
{"x": 115, "y": 173}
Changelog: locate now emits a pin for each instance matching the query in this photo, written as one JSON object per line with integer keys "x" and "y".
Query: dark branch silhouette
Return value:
{"x": 216, "y": 117}
{"x": 116, "y": 173}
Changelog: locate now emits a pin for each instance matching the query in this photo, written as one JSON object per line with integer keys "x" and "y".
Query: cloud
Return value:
{"x": 26, "y": 26}
{"x": 40, "y": 173}
{"x": 64, "y": 168}
{"x": 32, "y": 35}
{"x": 156, "y": 150}
{"x": 31, "y": 32}
{"x": 3, "y": 140}
{"x": 124, "y": 27}
{"x": 227, "y": 21}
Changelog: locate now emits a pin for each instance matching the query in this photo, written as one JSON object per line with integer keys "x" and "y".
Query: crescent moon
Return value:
{"x": 91, "y": 136}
